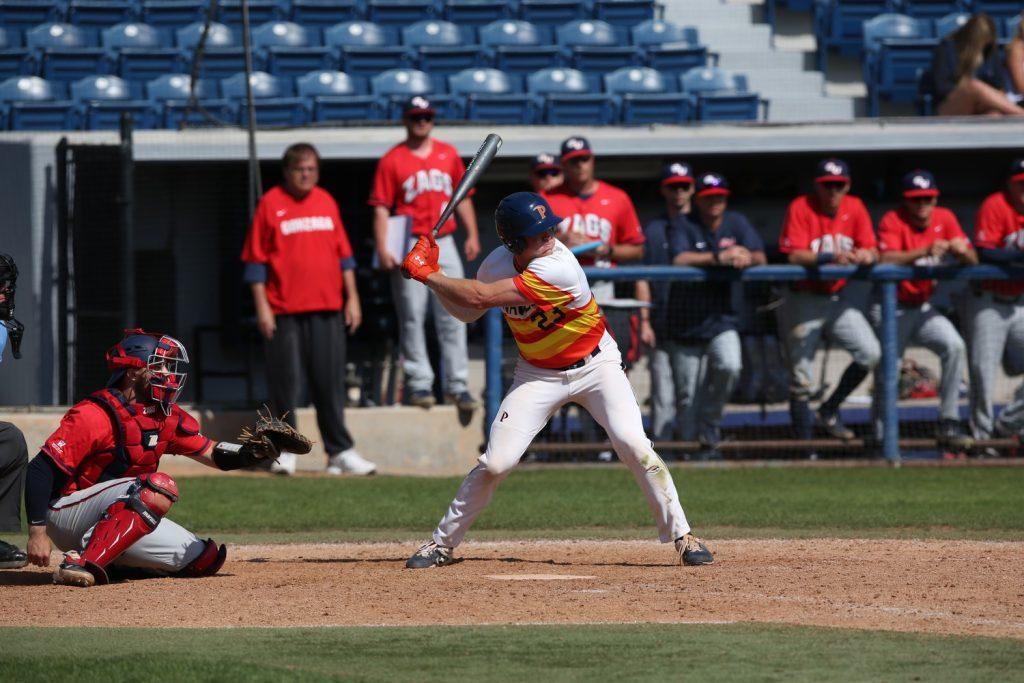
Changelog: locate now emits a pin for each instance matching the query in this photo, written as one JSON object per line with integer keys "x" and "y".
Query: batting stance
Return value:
{"x": 566, "y": 355}
{"x": 94, "y": 490}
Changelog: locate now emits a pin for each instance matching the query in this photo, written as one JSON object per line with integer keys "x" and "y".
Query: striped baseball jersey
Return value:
{"x": 563, "y": 323}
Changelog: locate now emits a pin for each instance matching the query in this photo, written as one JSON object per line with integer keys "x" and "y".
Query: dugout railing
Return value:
{"x": 885, "y": 277}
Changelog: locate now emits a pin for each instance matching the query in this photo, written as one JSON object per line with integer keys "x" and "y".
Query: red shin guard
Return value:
{"x": 208, "y": 562}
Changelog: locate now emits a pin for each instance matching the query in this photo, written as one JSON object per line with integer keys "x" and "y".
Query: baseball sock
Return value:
{"x": 851, "y": 379}
{"x": 800, "y": 416}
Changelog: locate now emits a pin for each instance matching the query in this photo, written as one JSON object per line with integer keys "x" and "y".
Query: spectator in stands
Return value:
{"x": 968, "y": 74}
{"x": 921, "y": 233}
{"x": 1015, "y": 63}
{"x": 300, "y": 268}
{"x": 995, "y": 309}
{"x": 545, "y": 173}
{"x": 706, "y": 353}
{"x": 666, "y": 395}
{"x": 415, "y": 179}
{"x": 829, "y": 225}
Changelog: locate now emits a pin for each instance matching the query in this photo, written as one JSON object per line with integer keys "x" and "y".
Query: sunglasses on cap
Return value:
{"x": 922, "y": 199}
{"x": 836, "y": 185}
{"x": 548, "y": 172}
{"x": 420, "y": 118}
{"x": 685, "y": 187}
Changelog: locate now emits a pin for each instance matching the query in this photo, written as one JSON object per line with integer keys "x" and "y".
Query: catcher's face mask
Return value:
{"x": 168, "y": 369}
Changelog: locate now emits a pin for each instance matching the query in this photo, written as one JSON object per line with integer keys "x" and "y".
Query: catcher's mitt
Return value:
{"x": 272, "y": 435}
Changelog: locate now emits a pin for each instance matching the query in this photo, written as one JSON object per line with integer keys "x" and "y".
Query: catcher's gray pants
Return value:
{"x": 926, "y": 326}
{"x": 601, "y": 387}
{"x": 13, "y": 461}
{"x": 412, "y": 301}
{"x": 804, "y": 317}
{"x": 692, "y": 383}
{"x": 995, "y": 335}
{"x": 167, "y": 549}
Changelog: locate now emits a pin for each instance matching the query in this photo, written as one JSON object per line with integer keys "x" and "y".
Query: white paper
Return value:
{"x": 399, "y": 232}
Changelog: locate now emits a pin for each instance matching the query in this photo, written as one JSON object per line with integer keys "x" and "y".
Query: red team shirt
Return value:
{"x": 896, "y": 234}
{"x": 806, "y": 227}
{"x": 303, "y": 244}
{"x": 409, "y": 185}
{"x": 999, "y": 226}
{"x": 607, "y": 215}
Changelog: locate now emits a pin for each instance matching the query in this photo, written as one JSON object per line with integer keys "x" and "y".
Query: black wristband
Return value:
{"x": 232, "y": 456}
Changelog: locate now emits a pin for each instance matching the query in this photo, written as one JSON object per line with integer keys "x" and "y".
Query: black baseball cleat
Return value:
{"x": 430, "y": 554}
{"x": 951, "y": 435}
{"x": 692, "y": 551}
{"x": 833, "y": 426}
{"x": 464, "y": 401}
{"x": 12, "y": 557}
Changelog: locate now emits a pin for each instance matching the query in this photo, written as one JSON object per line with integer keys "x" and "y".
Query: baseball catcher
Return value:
{"x": 94, "y": 490}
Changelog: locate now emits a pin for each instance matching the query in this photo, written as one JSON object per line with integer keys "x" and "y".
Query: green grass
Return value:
{"x": 570, "y": 653}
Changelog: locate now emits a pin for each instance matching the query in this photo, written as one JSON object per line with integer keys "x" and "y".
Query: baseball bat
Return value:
{"x": 481, "y": 160}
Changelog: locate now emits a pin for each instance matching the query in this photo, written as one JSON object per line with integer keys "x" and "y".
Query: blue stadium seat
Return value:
{"x": 100, "y": 13}
{"x": 552, "y": 12}
{"x": 594, "y": 46}
{"x": 324, "y": 13}
{"x": 25, "y": 14}
{"x": 950, "y": 23}
{"x": 492, "y": 95}
{"x": 929, "y": 9}
{"x": 66, "y": 52}
{"x": 139, "y": 52}
{"x": 838, "y": 25}
{"x": 289, "y": 49}
{"x": 668, "y": 47}
{"x": 365, "y": 48}
{"x": 170, "y": 93}
{"x": 519, "y": 46}
{"x": 399, "y": 13}
{"x": 173, "y": 13}
{"x": 443, "y": 48}
{"x": 721, "y": 95}
{"x": 395, "y": 86}
{"x": 102, "y": 100}
{"x": 896, "y": 48}
{"x": 32, "y": 103}
{"x": 998, "y": 9}
{"x": 260, "y": 12}
{"x": 624, "y": 12}
{"x": 336, "y": 96}
{"x": 476, "y": 12}
{"x": 222, "y": 56}
{"x": 14, "y": 59}
{"x": 647, "y": 96}
{"x": 272, "y": 97}
{"x": 566, "y": 98}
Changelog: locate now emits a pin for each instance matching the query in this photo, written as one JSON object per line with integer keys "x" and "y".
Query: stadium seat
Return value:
{"x": 443, "y": 48}
{"x": 552, "y": 12}
{"x": 669, "y": 48}
{"x": 288, "y": 49}
{"x": 173, "y": 13}
{"x": 22, "y": 15}
{"x": 624, "y": 12}
{"x": 170, "y": 94}
{"x": 100, "y": 13}
{"x": 398, "y": 13}
{"x": 32, "y": 103}
{"x": 566, "y": 98}
{"x": 324, "y": 13}
{"x": 139, "y": 52}
{"x": 520, "y": 47}
{"x": 950, "y": 23}
{"x": 721, "y": 95}
{"x": 998, "y": 9}
{"x": 65, "y": 52}
{"x": 395, "y": 86}
{"x": 221, "y": 57}
{"x": 102, "y": 100}
{"x": 647, "y": 96}
{"x": 14, "y": 59}
{"x": 336, "y": 96}
{"x": 929, "y": 9}
{"x": 475, "y": 12}
{"x": 365, "y": 48}
{"x": 260, "y": 12}
{"x": 272, "y": 97}
{"x": 492, "y": 95}
{"x": 594, "y": 46}
{"x": 896, "y": 48}
{"x": 838, "y": 25}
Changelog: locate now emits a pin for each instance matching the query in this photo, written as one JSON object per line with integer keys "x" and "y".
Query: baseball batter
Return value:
{"x": 566, "y": 355}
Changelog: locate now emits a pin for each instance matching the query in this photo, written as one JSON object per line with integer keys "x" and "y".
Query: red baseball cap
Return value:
{"x": 1017, "y": 169}
{"x": 919, "y": 183}
{"x": 676, "y": 172}
{"x": 576, "y": 146}
{"x": 832, "y": 171}
{"x": 712, "y": 184}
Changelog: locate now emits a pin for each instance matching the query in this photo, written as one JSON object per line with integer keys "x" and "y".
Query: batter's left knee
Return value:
{"x": 869, "y": 353}
{"x": 209, "y": 561}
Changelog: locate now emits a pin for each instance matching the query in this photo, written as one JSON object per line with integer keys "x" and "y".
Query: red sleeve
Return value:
{"x": 794, "y": 233}
{"x": 255, "y": 249}
{"x": 865, "y": 232}
{"x": 627, "y": 228}
{"x": 187, "y": 440}
{"x": 459, "y": 170}
{"x": 344, "y": 246}
{"x": 989, "y": 228}
{"x": 953, "y": 227}
{"x": 383, "y": 193}
{"x": 890, "y": 237}
{"x": 85, "y": 429}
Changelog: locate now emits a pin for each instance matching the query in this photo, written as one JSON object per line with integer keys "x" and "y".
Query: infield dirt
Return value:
{"x": 963, "y": 587}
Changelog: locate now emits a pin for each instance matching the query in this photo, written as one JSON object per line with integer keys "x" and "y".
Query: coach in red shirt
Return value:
{"x": 995, "y": 310}
{"x": 922, "y": 233}
{"x": 299, "y": 264}
{"x": 415, "y": 179}
{"x": 826, "y": 226}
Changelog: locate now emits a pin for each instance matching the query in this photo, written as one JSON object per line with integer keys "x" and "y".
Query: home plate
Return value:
{"x": 537, "y": 577}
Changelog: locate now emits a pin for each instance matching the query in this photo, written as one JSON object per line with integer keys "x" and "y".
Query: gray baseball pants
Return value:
{"x": 13, "y": 461}
{"x": 412, "y": 301}
{"x": 995, "y": 335}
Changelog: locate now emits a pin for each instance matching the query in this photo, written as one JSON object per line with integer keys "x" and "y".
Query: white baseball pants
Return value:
{"x": 601, "y": 387}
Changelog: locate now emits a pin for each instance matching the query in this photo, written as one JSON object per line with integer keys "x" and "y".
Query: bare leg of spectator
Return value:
{"x": 972, "y": 97}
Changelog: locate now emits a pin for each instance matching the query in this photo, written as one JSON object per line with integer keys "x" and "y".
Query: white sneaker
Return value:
{"x": 350, "y": 462}
{"x": 605, "y": 456}
{"x": 284, "y": 465}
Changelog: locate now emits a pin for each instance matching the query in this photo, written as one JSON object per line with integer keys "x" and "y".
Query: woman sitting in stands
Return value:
{"x": 968, "y": 72}
{"x": 1015, "y": 63}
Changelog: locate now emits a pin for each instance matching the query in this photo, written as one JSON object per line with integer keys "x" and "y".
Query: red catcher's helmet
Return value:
{"x": 165, "y": 357}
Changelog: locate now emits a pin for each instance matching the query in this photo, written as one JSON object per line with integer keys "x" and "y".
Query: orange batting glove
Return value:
{"x": 421, "y": 261}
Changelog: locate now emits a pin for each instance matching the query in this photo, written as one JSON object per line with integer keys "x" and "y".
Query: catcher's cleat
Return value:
{"x": 692, "y": 551}
{"x": 430, "y": 554}
{"x": 12, "y": 557}
{"x": 831, "y": 425}
{"x": 350, "y": 462}
{"x": 73, "y": 572}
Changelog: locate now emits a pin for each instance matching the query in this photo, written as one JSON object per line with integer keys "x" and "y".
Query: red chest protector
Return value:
{"x": 140, "y": 439}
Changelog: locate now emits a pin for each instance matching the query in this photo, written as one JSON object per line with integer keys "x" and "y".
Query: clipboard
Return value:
{"x": 399, "y": 232}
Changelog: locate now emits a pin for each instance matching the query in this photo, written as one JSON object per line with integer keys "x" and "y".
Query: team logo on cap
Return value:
{"x": 711, "y": 179}
{"x": 921, "y": 181}
{"x": 419, "y": 103}
{"x": 833, "y": 168}
{"x": 541, "y": 210}
{"x": 679, "y": 169}
{"x": 574, "y": 143}
{"x": 545, "y": 159}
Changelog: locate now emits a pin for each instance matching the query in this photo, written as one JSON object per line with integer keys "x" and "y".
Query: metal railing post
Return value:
{"x": 890, "y": 374}
{"x": 493, "y": 391}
